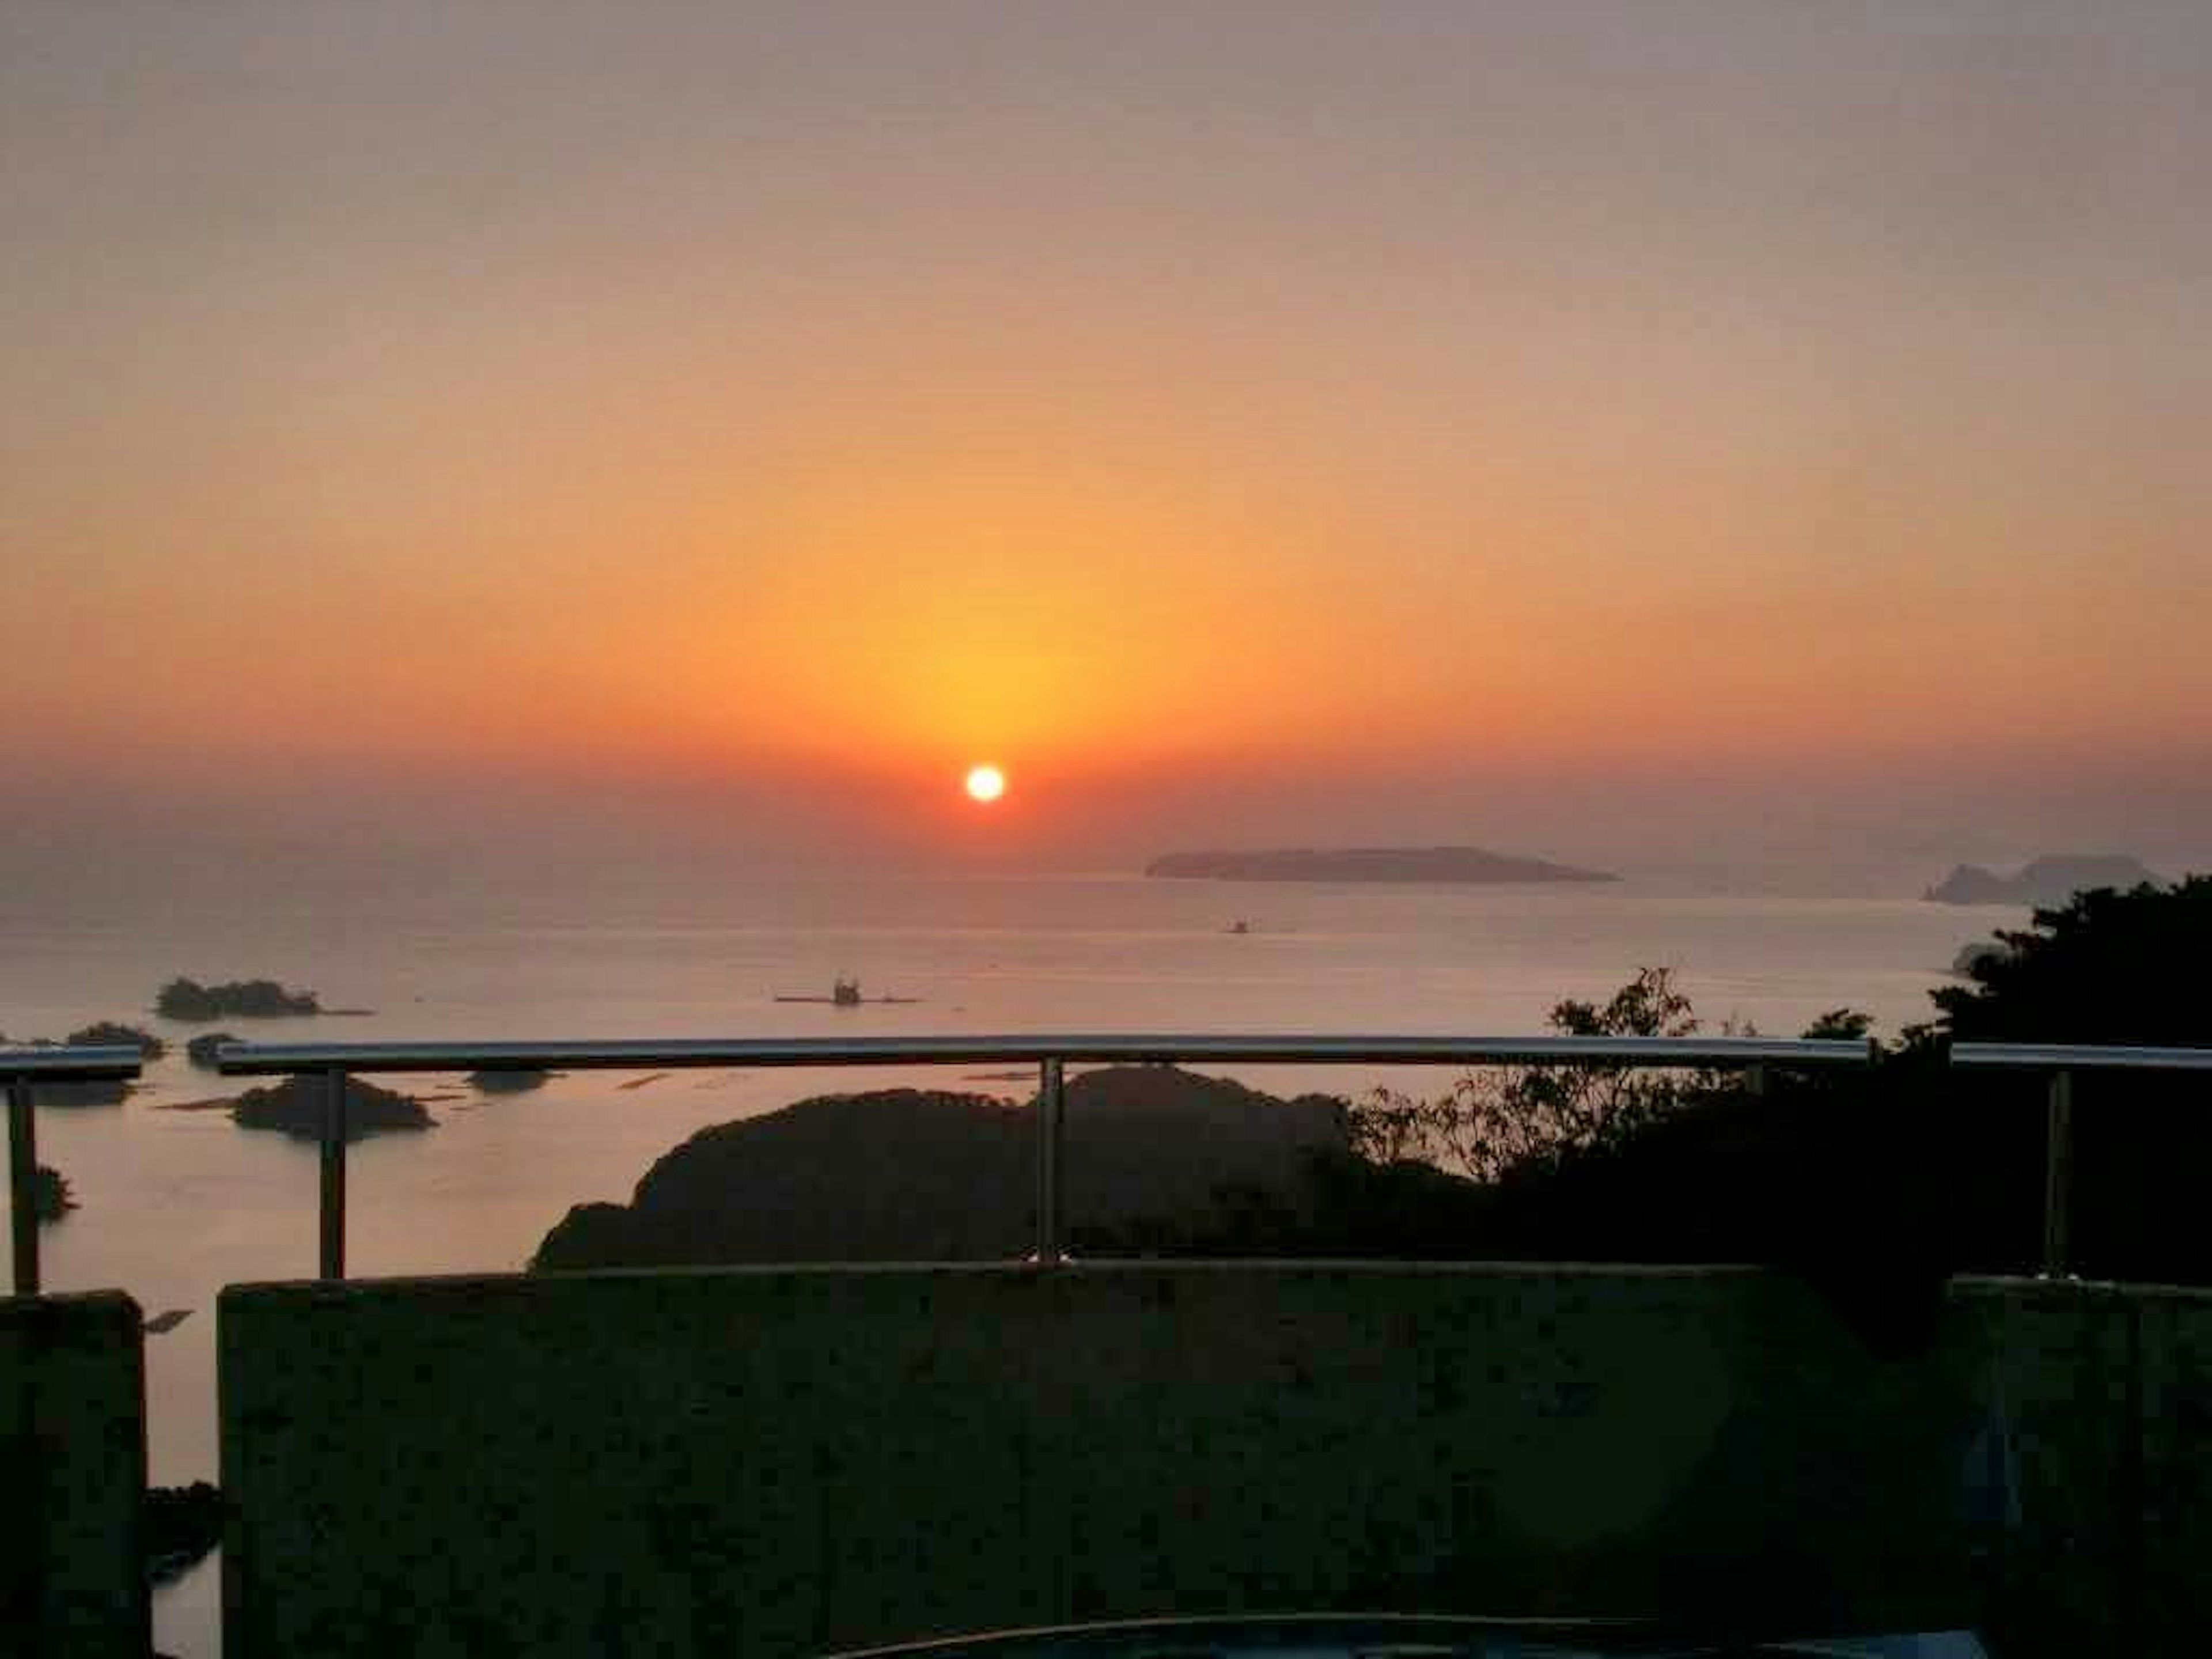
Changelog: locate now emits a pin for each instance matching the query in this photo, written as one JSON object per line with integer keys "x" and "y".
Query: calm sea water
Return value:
{"x": 176, "y": 1204}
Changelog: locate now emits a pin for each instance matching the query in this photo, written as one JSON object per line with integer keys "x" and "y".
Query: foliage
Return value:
{"x": 1962, "y": 964}
{"x": 2105, "y": 967}
{"x": 1841, "y": 1025}
{"x": 1506, "y": 1118}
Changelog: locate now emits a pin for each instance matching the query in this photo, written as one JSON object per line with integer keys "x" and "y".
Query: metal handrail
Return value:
{"x": 2062, "y": 1060}
{"x": 20, "y": 1070}
{"x": 24, "y": 1067}
{"x": 1050, "y": 1054}
{"x": 2079, "y": 1057}
{"x": 264, "y": 1058}
{"x": 85, "y": 1062}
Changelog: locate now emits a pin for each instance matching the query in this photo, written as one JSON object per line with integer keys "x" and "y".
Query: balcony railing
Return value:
{"x": 21, "y": 1070}
{"x": 2062, "y": 1060}
{"x": 1051, "y": 1054}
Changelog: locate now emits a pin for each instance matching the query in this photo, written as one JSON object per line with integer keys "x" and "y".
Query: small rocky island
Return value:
{"x": 2046, "y": 882}
{"x": 203, "y": 1050}
{"x": 189, "y": 1000}
{"x": 509, "y": 1079}
{"x": 96, "y": 1091}
{"x": 1407, "y": 864}
{"x": 295, "y": 1107}
{"x": 113, "y": 1033}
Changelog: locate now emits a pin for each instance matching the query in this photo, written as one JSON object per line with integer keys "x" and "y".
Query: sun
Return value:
{"x": 986, "y": 783}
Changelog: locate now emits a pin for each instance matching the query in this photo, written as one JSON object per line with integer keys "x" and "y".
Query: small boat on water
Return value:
{"x": 1240, "y": 926}
{"x": 845, "y": 993}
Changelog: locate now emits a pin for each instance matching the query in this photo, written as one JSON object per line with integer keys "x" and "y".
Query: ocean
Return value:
{"x": 174, "y": 1204}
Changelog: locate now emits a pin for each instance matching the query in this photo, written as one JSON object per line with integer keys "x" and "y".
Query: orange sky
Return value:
{"x": 839, "y": 394}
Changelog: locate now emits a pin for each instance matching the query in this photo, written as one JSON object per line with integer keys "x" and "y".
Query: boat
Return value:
{"x": 844, "y": 992}
{"x": 1240, "y": 926}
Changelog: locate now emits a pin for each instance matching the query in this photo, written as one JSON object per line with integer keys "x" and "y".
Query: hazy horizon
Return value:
{"x": 536, "y": 435}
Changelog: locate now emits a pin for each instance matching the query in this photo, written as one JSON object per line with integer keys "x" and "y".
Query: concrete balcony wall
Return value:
{"x": 2165, "y": 1478}
{"x": 72, "y": 1478}
{"x": 788, "y": 1461}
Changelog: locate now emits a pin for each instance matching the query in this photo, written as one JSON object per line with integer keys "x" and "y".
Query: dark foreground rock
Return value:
{"x": 295, "y": 1107}
{"x": 912, "y": 1175}
{"x": 183, "y": 1523}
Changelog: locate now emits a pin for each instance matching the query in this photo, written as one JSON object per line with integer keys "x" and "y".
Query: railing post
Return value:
{"x": 1051, "y": 1113}
{"x": 332, "y": 1216}
{"x": 2057, "y": 1176}
{"x": 23, "y": 1183}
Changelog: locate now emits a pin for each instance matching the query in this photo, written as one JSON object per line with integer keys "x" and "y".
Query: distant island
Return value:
{"x": 1410, "y": 864}
{"x": 2047, "y": 882}
{"x": 295, "y": 1107}
{"x": 188, "y": 1000}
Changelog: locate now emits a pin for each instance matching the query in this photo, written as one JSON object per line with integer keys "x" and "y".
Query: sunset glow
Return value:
{"x": 1155, "y": 393}
{"x": 986, "y": 783}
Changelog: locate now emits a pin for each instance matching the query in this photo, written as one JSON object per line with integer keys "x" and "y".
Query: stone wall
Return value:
{"x": 790, "y": 1461}
{"x": 72, "y": 1478}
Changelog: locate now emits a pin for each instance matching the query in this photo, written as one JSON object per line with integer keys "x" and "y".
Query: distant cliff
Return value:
{"x": 1439, "y": 864}
{"x": 2046, "y": 882}
{"x": 908, "y": 1174}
